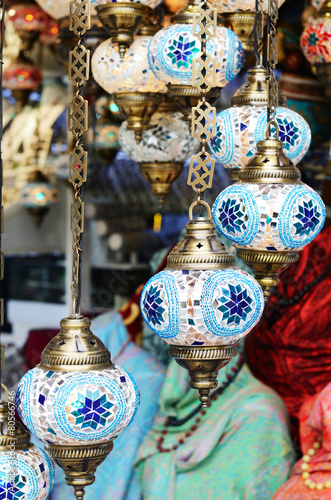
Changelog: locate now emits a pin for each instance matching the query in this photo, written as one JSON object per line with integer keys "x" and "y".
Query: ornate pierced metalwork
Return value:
{"x": 203, "y": 125}
{"x": 2, "y": 312}
{"x": 79, "y": 64}
{"x": 272, "y": 59}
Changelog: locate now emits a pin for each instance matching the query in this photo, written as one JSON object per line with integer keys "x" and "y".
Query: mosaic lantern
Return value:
{"x": 28, "y": 20}
{"x": 58, "y": 9}
{"x": 171, "y": 52}
{"x": 49, "y": 36}
{"x": 241, "y": 127}
{"x": 136, "y": 89}
{"x": 270, "y": 214}
{"x": 38, "y": 196}
{"x": 76, "y": 401}
{"x": 315, "y": 42}
{"x": 123, "y": 20}
{"x": 162, "y": 151}
{"x": 201, "y": 304}
{"x": 239, "y": 15}
{"x": 21, "y": 77}
{"x": 25, "y": 471}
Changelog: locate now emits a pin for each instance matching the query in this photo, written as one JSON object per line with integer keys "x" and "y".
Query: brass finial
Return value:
{"x": 254, "y": 92}
{"x": 186, "y": 15}
{"x": 75, "y": 348}
{"x": 161, "y": 175}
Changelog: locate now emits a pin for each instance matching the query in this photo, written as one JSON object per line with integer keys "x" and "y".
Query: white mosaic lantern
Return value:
{"x": 125, "y": 74}
{"x": 235, "y": 5}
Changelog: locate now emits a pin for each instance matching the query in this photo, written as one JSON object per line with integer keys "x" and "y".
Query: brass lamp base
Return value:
{"x": 21, "y": 96}
{"x": 186, "y": 96}
{"x": 233, "y": 174}
{"x": 267, "y": 265}
{"x": 79, "y": 463}
{"x": 161, "y": 175}
{"x": 123, "y": 20}
{"x": 38, "y": 214}
{"x": 242, "y": 23}
{"x": 202, "y": 363}
{"x": 138, "y": 108}
{"x": 323, "y": 72}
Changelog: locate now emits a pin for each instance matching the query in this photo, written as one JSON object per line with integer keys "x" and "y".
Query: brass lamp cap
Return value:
{"x": 325, "y": 11}
{"x": 149, "y": 29}
{"x": 270, "y": 164}
{"x": 200, "y": 248}
{"x": 254, "y": 92}
{"x": 185, "y": 16}
{"x": 20, "y": 438}
{"x": 75, "y": 348}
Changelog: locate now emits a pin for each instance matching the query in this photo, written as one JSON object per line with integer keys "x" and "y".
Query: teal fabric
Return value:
{"x": 240, "y": 450}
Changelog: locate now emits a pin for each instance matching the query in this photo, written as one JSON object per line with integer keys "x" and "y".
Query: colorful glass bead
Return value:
{"x": 167, "y": 139}
{"x": 172, "y": 49}
{"x": 125, "y": 74}
{"x": 28, "y": 475}
{"x": 239, "y": 128}
{"x": 235, "y": 5}
{"x": 39, "y": 194}
{"x": 270, "y": 217}
{"x": 315, "y": 41}
{"x": 196, "y": 308}
{"x": 77, "y": 407}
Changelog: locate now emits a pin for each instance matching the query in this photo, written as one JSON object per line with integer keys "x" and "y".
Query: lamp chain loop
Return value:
{"x": 79, "y": 67}
{"x": 272, "y": 59}
{"x": 203, "y": 125}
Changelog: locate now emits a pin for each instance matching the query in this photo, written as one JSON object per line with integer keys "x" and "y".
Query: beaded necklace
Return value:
{"x": 304, "y": 467}
{"x": 200, "y": 412}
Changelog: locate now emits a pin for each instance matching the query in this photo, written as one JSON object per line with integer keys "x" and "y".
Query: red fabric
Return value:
{"x": 290, "y": 349}
{"x": 36, "y": 343}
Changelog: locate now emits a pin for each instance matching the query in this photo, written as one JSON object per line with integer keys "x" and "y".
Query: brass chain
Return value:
{"x": 203, "y": 125}
{"x": 272, "y": 59}
{"x": 259, "y": 32}
{"x": 79, "y": 67}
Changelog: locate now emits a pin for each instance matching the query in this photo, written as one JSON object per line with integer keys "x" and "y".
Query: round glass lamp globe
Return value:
{"x": 239, "y": 128}
{"x": 77, "y": 408}
{"x": 167, "y": 139}
{"x": 272, "y": 217}
{"x": 125, "y": 74}
{"x": 315, "y": 41}
{"x": 202, "y": 308}
{"x": 235, "y": 5}
{"x": 172, "y": 49}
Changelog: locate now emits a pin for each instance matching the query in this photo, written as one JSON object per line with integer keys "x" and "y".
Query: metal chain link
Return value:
{"x": 203, "y": 125}
{"x": 272, "y": 59}
{"x": 79, "y": 67}
{"x": 259, "y": 32}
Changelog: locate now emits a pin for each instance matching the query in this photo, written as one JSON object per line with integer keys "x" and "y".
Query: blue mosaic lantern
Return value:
{"x": 241, "y": 127}
{"x": 270, "y": 214}
{"x": 26, "y": 473}
{"x": 76, "y": 401}
{"x": 202, "y": 305}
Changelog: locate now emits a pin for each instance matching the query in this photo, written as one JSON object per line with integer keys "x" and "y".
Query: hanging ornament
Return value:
{"x": 58, "y": 9}
{"x": 123, "y": 20}
{"x": 21, "y": 77}
{"x": 163, "y": 149}
{"x": 105, "y": 138}
{"x": 239, "y": 15}
{"x": 136, "y": 89}
{"x": 269, "y": 214}
{"x": 50, "y": 34}
{"x": 76, "y": 401}
{"x": 173, "y": 49}
{"x": 28, "y": 20}
{"x": 241, "y": 127}
{"x": 201, "y": 304}
{"x": 315, "y": 42}
{"x": 38, "y": 195}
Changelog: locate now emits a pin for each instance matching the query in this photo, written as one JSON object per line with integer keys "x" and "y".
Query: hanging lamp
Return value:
{"x": 269, "y": 214}
{"x": 172, "y": 50}
{"x": 315, "y": 42}
{"x": 76, "y": 400}
{"x": 28, "y": 20}
{"x": 123, "y": 20}
{"x": 201, "y": 304}
{"x": 21, "y": 77}
{"x": 163, "y": 149}
{"x": 136, "y": 90}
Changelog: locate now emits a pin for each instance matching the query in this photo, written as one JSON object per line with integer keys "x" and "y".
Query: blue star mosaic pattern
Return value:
{"x": 91, "y": 410}
{"x": 235, "y": 304}
{"x": 153, "y": 307}
{"x": 182, "y": 51}
{"x": 309, "y": 217}
{"x": 288, "y": 132}
{"x": 231, "y": 216}
{"x": 11, "y": 491}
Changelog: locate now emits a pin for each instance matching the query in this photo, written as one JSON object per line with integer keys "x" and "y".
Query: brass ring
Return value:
{"x": 196, "y": 203}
